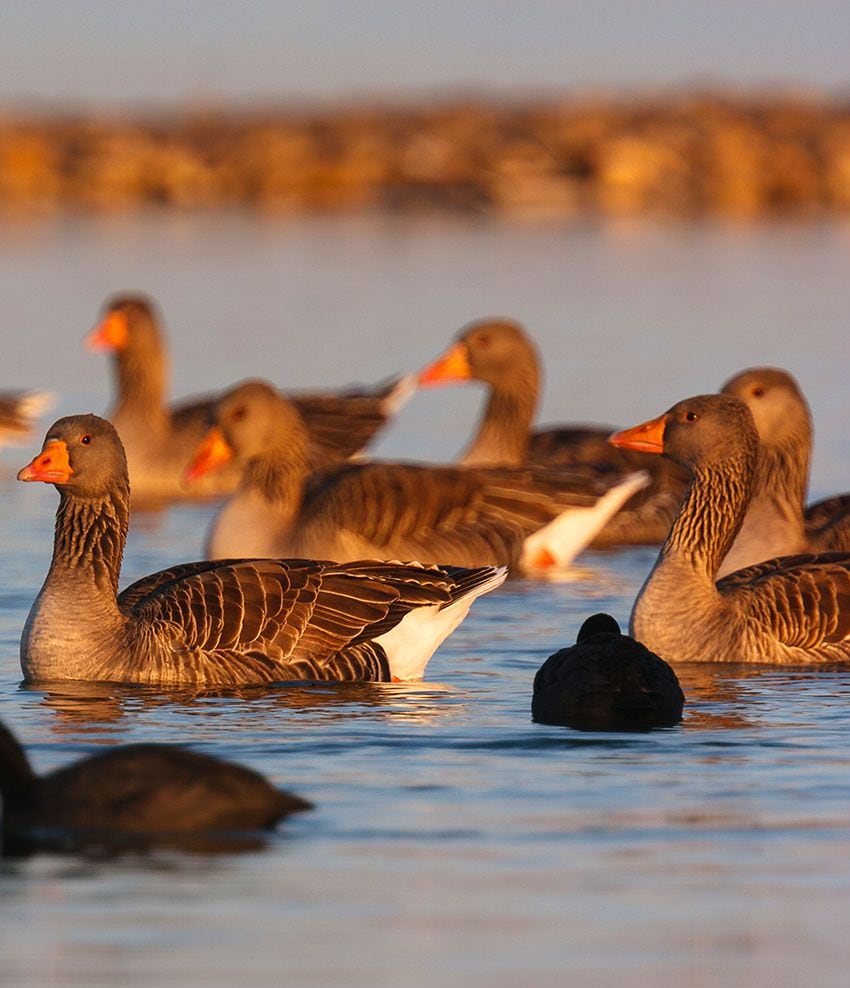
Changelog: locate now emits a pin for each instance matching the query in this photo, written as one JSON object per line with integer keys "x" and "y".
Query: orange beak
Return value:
{"x": 646, "y": 438}
{"x": 111, "y": 333}
{"x": 51, "y": 466}
{"x": 452, "y": 366}
{"x": 213, "y": 452}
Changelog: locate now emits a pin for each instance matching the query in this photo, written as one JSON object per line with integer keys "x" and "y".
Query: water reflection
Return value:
{"x": 98, "y": 709}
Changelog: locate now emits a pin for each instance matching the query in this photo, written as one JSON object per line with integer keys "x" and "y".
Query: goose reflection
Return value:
{"x": 100, "y": 709}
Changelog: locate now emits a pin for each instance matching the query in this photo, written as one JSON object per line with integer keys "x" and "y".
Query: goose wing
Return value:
{"x": 342, "y": 424}
{"x": 468, "y": 515}
{"x": 266, "y": 619}
{"x": 804, "y": 600}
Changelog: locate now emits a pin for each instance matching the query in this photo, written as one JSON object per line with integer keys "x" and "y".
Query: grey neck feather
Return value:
{"x": 279, "y": 479}
{"x": 90, "y": 538}
{"x": 141, "y": 374}
{"x": 503, "y": 431}
{"x": 712, "y": 513}
{"x": 782, "y": 477}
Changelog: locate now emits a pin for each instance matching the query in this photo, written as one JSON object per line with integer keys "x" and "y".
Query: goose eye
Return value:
{"x": 238, "y": 413}
{"x": 484, "y": 341}
{"x": 85, "y": 440}
{"x": 758, "y": 392}
{"x": 691, "y": 417}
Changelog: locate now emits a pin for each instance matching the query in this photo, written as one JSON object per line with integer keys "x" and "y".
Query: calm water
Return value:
{"x": 454, "y": 842}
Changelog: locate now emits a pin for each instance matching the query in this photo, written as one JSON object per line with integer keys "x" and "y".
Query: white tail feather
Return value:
{"x": 558, "y": 543}
{"x": 400, "y": 394}
{"x": 35, "y": 403}
{"x": 412, "y": 642}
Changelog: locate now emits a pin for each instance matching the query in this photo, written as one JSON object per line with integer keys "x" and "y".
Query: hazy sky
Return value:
{"x": 111, "y": 51}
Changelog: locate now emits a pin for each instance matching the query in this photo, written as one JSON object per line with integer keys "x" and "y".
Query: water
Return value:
{"x": 454, "y": 842}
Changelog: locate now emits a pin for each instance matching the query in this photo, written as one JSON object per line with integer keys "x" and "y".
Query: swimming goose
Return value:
{"x": 525, "y": 517}
{"x": 225, "y": 623}
{"x": 18, "y": 411}
{"x": 606, "y": 682}
{"x": 159, "y": 439}
{"x": 500, "y": 353}
{"x": 133, "y": 790}
{"x": 793, "y": 610}
{"x": 775, "y": 523}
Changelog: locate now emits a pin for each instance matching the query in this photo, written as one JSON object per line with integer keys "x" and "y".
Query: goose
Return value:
{"x": 606, "y": 682}
{"x": 524, "y": 517}
{"x": 159, "y": 439}
{"x": 18, "y": 411}
{"x": 226, "y": 623}
{"x": 499, "y": 353}
{"x": 776, "y": 523}
{"x": 140, "y": 791}
{"x": 792, "y": 610}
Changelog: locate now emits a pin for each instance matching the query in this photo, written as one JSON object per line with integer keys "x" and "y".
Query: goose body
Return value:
{"x": 159, "y": 439}
{"x": 140, "y": 791}
{"x": 792, "y": 610}
{"x": 500, "y": 354}
{"x": 606, "y": 682}
{"x": 523, "y": 517}
{"x": 225, "y": 623}
{"x": 776, "y": 522}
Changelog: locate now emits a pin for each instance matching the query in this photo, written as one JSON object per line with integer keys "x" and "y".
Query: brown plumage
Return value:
{"x": 159, "y": 439}
{"x": 463, "y": 516}
{"x": 777, "y": 523}
{"x": 499, "y": 353}
{"x": 791, "y": 610}
{"x": 129, "y": 794}
{"x": 225, "y": 623}
{"x": 606, "y": 682}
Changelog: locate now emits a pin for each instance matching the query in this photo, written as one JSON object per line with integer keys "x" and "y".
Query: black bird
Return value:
{"x": 132, "y": 794}
{"x": 606, "y": 682}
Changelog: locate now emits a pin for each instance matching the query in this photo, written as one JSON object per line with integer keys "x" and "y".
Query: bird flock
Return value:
{"x": 324, "y": 565}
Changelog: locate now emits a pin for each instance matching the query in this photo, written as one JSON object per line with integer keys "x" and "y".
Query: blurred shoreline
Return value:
{"x": 687, "y": 156}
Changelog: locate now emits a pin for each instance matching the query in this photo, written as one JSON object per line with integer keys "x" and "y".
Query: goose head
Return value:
{"x": 489, "y": 350}
{"x": 127, "y": 322}
{"x": 780, "y": 411}
{"x": 81, "y": 456}
{"x": 250, "y": 421}
{"x": 701, "y": 432}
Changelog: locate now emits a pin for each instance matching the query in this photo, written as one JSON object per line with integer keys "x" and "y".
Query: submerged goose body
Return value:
{"x": 159, "y": 439}
{"x": 499, "y": 353}
{"x": 525, "y": 517}
{"x": 606, "y": 682}
{"x": 225, "y": 623}
{"x": 777, "y": 523}
{"x": 792, "y": 610}
{"x": 141, "y": 791}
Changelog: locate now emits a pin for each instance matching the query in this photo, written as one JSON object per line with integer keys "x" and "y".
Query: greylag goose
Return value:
{"x": 606, "y": 682}
{"x": 159, "y": 439}
{"x": 141, "y": 791}
{"x": 18, "y": 411}
{"x": 228, "y": 623}
{"x": 499, "y": 353}
{"x": 793, "y": 610}
{"x": 531, "y": 518}
{"x": 775, "y": 523}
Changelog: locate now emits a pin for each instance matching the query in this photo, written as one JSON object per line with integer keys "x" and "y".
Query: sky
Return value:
{"x": 113, "y": 52}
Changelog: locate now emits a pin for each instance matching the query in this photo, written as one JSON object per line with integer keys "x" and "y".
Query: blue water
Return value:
{"x": 453, "y": 842}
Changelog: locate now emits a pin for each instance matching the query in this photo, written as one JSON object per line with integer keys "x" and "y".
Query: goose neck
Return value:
{"x": 711, "y": 515}
{"x": 89, "y": 541}
{"x": 141, "y": 376}
{"x": 502, "y": 434}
